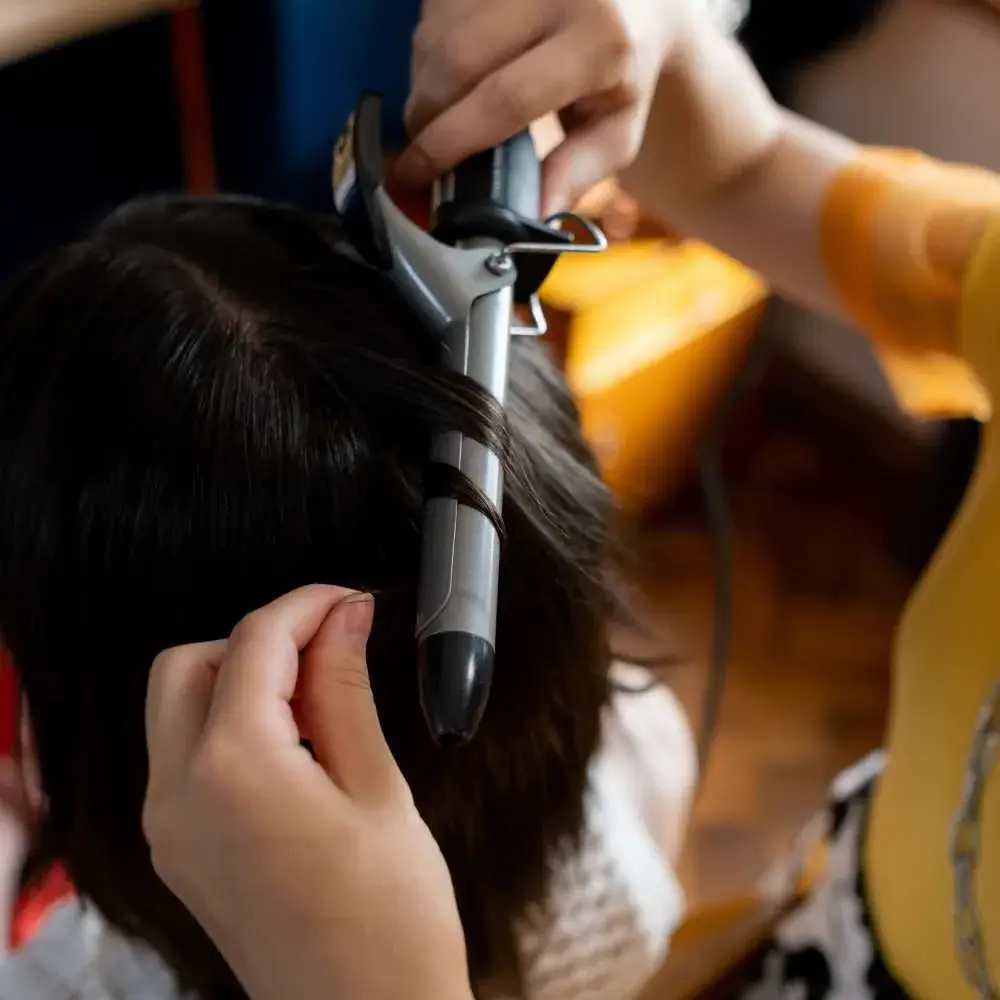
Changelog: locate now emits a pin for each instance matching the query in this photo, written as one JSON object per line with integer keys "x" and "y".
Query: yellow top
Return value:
{"x": 913, "y": 248}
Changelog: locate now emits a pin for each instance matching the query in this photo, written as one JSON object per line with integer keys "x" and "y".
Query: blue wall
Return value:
{"x": 327, "y": 53}
{"x": 285, "y": 74}
{"x": 88, "y": 126}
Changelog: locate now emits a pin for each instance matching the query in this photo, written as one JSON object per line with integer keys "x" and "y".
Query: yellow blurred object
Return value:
{"x": 658, "y": 330}
{"x": 580, "y": 281}
{"x": 934, "y": 386}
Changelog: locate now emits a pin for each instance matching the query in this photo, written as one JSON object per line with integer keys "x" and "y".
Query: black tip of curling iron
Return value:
{"x": 454, "y": 673}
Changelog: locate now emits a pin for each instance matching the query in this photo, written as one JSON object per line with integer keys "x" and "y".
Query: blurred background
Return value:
{"x": 782, "y": 485}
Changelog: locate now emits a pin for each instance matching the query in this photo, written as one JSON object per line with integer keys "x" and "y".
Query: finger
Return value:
{"x": 178, "y": 697}
{"x": 338, "y": 707}
{"x": 450, "y": 58}
{"x": 547, "y": 133}
{"x": 551, "y": 76}
{"x": 590, "y": 154}
{"x": 260, "y": 669}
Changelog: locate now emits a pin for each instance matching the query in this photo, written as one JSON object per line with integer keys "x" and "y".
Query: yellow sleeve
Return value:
{"x": 912, "y": 247}
{"x": 979, "y": 309}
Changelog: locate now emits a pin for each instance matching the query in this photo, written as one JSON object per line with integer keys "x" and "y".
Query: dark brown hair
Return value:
{"x": 207, "y": 403}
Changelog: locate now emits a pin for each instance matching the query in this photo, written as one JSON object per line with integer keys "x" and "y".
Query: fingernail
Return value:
{"x": 412, "y": 167}
{"x": 356, "y": 614}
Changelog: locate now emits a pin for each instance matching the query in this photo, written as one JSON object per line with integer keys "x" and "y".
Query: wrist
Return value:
{"x": 711, "y": 122}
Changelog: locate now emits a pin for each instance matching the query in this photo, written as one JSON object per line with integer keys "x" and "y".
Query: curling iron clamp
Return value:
{"x": 486, "y": 252}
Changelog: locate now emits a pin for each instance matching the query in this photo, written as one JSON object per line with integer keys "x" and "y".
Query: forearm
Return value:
{"x": 883, "y": 238}
{"x": 724, "y": 163}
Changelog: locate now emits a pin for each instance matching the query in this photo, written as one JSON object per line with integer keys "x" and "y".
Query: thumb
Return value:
{"x": 337, "y": 707}
{"x": 587, "y": 156}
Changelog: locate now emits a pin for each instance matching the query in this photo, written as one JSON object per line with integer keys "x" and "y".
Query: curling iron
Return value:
{"x": 487, "y": 252}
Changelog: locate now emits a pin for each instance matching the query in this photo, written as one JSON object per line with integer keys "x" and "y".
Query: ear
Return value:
{"x": 31, "y": 774}
{"x": 20, "y": 780}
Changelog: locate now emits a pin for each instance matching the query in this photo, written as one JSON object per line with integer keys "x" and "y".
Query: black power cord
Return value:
{"x": 720, "y": 527}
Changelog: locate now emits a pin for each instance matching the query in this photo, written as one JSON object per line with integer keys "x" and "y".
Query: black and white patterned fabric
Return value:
{"x": 826, "y": 949}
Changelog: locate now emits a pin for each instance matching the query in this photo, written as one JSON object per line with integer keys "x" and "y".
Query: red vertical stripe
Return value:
{"x": 191, "y": 80}
{"x": 32, "y": 909}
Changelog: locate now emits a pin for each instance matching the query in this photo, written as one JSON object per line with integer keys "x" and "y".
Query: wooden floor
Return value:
{"x": 817, "y": 600}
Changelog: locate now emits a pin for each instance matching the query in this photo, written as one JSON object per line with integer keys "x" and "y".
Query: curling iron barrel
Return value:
{"x": 487, "y": 251}
{"x": 479, "y": 205}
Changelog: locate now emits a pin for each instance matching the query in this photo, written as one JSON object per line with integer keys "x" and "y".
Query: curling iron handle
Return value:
{"x": 508, "y": 176}
{"x": 521, "y": 174}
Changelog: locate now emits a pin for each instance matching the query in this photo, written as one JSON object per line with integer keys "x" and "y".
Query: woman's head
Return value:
{"x": 210, "y": 402}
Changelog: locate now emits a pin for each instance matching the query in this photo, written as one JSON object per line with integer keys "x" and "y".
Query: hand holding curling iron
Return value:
{"x": 484, "y": 71}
